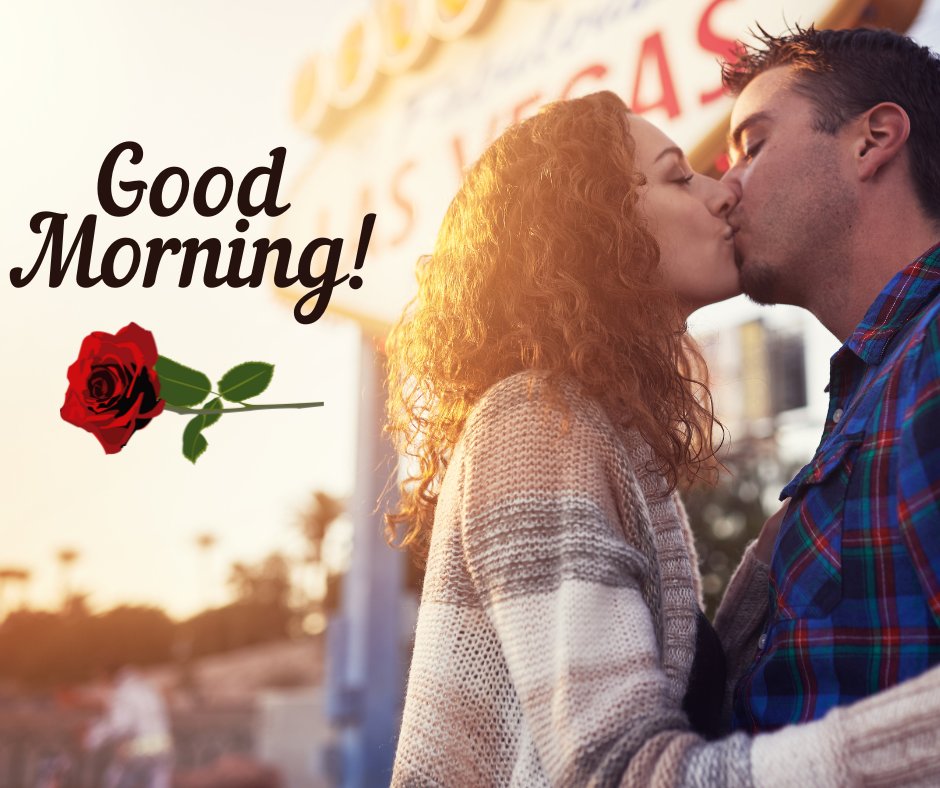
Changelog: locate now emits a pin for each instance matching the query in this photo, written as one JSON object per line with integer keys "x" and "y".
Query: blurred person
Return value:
{"x": 836, "y": 164}
{"x": 136, "y": 725}
{"x": 547, "y": 396}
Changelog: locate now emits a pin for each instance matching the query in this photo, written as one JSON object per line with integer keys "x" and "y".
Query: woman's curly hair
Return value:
{"x": 544, "y": 261}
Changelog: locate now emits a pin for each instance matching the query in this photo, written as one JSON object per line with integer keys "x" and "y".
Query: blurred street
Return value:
{"x": 258, "y": 720}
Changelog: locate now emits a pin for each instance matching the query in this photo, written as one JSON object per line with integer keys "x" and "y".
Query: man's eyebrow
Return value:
{"x": 666, "y": 151}
{"x": 734, "y": 138}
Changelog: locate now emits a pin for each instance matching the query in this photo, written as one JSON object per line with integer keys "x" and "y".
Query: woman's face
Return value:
{"x": 687, "y": 214}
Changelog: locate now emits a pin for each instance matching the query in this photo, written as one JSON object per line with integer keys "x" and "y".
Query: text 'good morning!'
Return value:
{"x": 218, "y": 267}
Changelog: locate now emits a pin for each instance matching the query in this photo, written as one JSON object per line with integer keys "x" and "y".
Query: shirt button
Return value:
{"x": 837, "y": 415}
{"x": 762, "y": 641}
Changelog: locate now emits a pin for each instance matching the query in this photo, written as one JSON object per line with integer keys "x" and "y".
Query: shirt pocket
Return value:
{"x": 806, "y": 568}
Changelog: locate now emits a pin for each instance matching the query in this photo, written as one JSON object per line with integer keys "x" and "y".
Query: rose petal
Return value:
{"x": 142, "y": 340}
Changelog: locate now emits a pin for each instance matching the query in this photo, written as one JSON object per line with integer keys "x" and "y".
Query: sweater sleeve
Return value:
{"x": 891, "y": 738}
{"x": 740, "y": 619}
{"x": 546, "y": 534}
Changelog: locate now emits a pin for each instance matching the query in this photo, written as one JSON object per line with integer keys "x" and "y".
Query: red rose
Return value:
{"x": 113, "y": 389}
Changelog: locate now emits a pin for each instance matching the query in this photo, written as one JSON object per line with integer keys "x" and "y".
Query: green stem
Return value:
{"x": 243, "y": 409}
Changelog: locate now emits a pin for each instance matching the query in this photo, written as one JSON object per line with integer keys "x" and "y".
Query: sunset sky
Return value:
{"x": 197, "y": 85}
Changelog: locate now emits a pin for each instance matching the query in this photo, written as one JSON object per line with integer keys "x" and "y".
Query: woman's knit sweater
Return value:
{"x": 557, "y": 627}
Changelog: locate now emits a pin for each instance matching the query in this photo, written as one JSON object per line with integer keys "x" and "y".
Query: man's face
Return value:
{"x": 797, "y": 203}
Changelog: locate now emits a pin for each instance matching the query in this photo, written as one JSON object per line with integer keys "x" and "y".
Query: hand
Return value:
{"x": 768, "y": 534}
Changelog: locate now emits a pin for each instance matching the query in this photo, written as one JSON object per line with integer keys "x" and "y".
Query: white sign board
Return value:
{"x": 400, "y": 141}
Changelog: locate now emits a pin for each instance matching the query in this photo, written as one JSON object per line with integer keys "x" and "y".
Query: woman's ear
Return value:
{"x": 883, "y": 132}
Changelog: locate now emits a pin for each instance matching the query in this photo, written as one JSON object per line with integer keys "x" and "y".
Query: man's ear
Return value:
{"x": 883, "y": 132}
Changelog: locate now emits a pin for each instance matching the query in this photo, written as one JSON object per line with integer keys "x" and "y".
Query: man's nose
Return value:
{"x": 723, "y": 198}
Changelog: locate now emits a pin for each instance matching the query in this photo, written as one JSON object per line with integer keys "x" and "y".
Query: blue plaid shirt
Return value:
{"x": 855, "y": 575}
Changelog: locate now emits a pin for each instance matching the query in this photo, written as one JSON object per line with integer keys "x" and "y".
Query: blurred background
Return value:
{"x": 253, "y": 591}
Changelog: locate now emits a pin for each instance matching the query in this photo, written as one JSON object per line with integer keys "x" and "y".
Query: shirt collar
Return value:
{"x": 905, "y": 295}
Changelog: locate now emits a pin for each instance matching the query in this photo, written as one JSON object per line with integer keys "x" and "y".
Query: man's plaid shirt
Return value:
{"x": 855, "y": 576}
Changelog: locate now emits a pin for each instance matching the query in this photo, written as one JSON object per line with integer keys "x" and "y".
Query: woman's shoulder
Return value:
{"x": 532, "y": 399}
{"x": 531, "y": 408}
{"x": 541, "y": 432}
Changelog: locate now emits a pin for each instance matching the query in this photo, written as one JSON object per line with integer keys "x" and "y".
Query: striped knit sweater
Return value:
{"x": 557, "y": 627}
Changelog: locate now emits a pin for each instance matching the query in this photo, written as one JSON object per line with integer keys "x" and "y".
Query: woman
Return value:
{"x": 544, "y": 383}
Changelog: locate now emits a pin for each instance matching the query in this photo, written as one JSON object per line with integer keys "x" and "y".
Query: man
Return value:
{"x": 835, "y": 139}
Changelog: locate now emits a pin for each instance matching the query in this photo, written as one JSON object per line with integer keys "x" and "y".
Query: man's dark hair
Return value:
{"x": 846, "y": 72}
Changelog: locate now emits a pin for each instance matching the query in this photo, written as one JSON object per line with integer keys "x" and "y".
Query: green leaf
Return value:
{"x": 194, "y": 444}
{"x": 246, "y": 380}
{"x": 214, "y": 404}
{"x": 179, "y": 385}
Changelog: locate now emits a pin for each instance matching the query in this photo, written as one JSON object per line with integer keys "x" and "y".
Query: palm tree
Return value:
{"x": 13, "y": 574}
{"x": 67, "y": 556}
{"x": 205, "y": 542}
{"x": 313, "y": 522}
{"x": 22, "y": 576}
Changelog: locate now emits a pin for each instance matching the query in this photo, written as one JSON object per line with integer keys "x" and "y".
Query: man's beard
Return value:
{"x": 759, "y": 282}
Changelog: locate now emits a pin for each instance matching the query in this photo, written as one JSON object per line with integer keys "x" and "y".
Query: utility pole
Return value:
{"x": 365, "y": 665}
